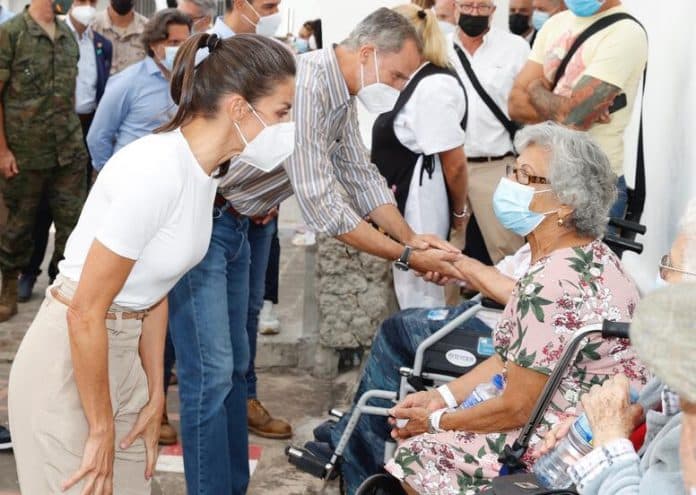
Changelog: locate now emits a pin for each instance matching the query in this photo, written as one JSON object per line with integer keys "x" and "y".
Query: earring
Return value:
{"x": 560, "y": 221}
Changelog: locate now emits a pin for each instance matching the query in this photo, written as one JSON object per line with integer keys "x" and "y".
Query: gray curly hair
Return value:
{"x": 384, "y": 28}
{"x": 579, "y": 173}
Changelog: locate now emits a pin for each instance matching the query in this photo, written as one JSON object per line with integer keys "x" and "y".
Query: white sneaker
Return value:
{"x": 268, "y": 321}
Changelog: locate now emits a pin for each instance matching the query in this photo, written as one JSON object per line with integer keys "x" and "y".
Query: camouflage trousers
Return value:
{"x": 64, "y": 189}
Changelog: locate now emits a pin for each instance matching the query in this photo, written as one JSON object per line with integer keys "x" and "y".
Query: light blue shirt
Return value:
{"x": 136, "y": 101}
{"x": 5, "y": 15}
{"x": 221, "y": 29}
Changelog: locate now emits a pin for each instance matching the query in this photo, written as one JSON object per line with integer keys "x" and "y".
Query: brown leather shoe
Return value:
{"x": 263, "y": 424}
{"x": 8, "y": 296}
{"x": 168, "y": 435}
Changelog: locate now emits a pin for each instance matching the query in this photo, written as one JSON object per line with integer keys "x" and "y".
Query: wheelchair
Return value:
{"x": 446, "y": 355}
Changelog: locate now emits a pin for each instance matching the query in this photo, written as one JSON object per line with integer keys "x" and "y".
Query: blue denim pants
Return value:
{"x": 618, "y": 209}
{"x": 260, "y": 240}
{"x": 394, "y": 346}
{"x": 207, "y": 321}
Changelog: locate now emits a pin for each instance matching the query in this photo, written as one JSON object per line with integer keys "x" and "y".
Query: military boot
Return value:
{"x": 8, "y": 296}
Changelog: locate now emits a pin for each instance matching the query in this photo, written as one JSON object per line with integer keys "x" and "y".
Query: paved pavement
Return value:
{"x": 291, "y": 393}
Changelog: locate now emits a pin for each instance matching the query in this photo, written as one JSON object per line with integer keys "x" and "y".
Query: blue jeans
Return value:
{"x": 260, "y": 239}
{"x": 394, "y": 346}
{"x": 207, "y": 321}
{"x": 618, "y": 209}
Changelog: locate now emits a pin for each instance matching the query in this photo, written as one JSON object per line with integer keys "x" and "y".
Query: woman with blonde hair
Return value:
{"x": 418, "y": 147}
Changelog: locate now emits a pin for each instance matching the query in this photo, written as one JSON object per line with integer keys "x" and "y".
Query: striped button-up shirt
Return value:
{"x": 329, "y": 154}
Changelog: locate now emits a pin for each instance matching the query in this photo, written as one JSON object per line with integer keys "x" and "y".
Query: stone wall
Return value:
{"x": 355, "y": 294}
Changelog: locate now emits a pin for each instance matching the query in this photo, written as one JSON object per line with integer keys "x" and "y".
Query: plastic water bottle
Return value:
{"x": 484, "y": 392}
{"x": 552, "y": 468}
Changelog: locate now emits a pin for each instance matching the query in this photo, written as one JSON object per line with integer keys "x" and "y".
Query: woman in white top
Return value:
{"x": 418, "y": 147}
{"x": 86, "y": 393}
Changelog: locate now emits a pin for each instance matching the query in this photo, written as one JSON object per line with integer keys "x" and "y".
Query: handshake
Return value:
{"x": 438, "y": 261}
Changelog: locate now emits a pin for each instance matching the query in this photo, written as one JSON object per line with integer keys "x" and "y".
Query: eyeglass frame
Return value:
{"x": 531, "y": 179}
{"x": 666, "y": 264}
{"x": 469, "y": 8}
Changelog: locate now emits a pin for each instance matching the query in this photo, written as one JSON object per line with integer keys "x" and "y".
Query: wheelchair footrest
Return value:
{"x": 309, "y": 463}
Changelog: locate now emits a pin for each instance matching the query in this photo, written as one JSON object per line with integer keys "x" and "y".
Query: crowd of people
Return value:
{"x": 161, "y": 150}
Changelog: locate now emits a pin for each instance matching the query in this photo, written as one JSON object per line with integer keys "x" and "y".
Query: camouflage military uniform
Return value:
{"x": 43, "y": 132}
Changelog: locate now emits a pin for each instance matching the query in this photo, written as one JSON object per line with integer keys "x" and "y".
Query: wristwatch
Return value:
{"x": 402, "y": 262}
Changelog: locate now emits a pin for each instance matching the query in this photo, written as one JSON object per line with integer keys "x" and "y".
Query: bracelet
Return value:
{"x": 464, "y": 213}
{"x": 434, "y": 421}
{"x": 448, "y": 396}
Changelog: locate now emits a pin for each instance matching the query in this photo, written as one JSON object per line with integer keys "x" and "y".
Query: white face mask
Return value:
{"x": 84, "y": 14}
{"x": 377, "y": 97}
{"x": 271, "y": 147}
{"x": 266, "y": 25}
{"x": 169, "y": 56}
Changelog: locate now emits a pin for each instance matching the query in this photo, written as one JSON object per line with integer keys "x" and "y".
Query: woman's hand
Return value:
{"x": 430, "y": 400}
{"x": 609, "y": 410}
{"x": 417, "y": 422}
{"x": 549, "y": 442}
{"x": 147, "y": 427}
{"x": 435, "y": 264}
{"x": 97, "y": 464}
{"x": 428, "y": 241}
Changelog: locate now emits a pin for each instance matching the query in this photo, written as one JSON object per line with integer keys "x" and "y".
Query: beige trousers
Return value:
{"x": 483, "y": 180}
{"x": 47, "y": 422}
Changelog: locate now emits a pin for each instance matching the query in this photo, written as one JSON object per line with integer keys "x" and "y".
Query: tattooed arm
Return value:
{"x": 588, "y": 104}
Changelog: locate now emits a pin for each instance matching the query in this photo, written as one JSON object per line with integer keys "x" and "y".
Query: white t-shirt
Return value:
{"x": 496, "y": 64}
{"x": 151, "y": 203}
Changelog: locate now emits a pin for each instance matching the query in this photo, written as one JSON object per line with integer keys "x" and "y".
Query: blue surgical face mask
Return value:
{"x": 301, "y": 45}
{"x": 511, "y": 206}
{"x": 539, "y": 18}
{"x": 169, "y": 56}
{"x": 584, "y": 8}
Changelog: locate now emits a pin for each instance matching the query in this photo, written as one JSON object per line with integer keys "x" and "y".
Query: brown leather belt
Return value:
{"x": 221, "y": 202}
{"x": 484, "y": 159}
{"x": 123, "y": 315}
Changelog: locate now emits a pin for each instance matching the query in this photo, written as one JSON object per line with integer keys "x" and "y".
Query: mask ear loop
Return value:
{"x": 255, "y": 24}
{"x": 374, "y": 53}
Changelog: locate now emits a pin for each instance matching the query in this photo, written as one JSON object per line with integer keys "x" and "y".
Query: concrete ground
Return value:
{"x": 285, "y": 389}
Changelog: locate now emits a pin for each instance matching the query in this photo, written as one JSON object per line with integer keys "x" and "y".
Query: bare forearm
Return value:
{"x": 547, "y": 105}
{"x": 90, "y": 356}
{"x": 521, "y": 109}
{"x": 462, "y": 387}
{"x": 3, "y": 140}
{"x": 369, "y": 240}
{"x": 492, "y": 416}
{"x": 392, "y": 222}
{"x": 152, "y": 348}
{"x": 487, "y": 280}
{"x": 457, "y": 181}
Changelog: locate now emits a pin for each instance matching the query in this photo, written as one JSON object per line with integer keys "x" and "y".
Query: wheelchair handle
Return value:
{"x": 628, "y": 225}
{"x": 623, "y": 243}
{"x": 615, "y": 329}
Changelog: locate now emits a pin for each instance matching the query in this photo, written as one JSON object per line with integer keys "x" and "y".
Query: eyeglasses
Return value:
{"x": 470, "y": 7}
{"x": 666, "y": 266}
{"x": 523, "y": 177}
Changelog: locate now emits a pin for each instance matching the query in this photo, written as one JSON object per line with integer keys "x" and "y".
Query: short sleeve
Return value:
{"x": 432, "y": 117}
{"x": 140, "y": 203}
{"x": 538, "y": 53}
{"x": 620, "y": 55}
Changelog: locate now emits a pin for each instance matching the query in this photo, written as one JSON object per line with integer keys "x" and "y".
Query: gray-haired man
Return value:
{"x": 202, "y": 13}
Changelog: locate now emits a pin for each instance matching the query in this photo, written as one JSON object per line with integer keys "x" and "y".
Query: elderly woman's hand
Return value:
{"x": 417, "y": 424}
{"x": 609, "y": 410}
{"x": 551, "y": 439}
{"x": 430, "y": 400}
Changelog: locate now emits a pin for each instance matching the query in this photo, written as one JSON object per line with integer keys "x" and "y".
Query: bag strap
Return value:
{"x": 640, "y": 190}
{"x": 509, "y": 125}
{"x": 594, "y": 28}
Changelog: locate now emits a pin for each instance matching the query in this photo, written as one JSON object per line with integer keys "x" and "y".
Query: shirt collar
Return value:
{"x": 87, "y": 33}
{"x": 222, "y": 29}
{"x": 338, "y": 89}
{"x": 151, "y": 67}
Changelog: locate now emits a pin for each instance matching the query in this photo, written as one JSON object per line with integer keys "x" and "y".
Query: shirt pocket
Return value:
{"x": 498, "y": 79}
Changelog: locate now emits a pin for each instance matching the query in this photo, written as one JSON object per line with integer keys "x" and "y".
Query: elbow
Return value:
{"x": 515, "y": 107}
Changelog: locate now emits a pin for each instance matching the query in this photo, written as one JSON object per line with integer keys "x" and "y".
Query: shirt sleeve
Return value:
{"x": 619, "y": 55}
{"x": 434, "y": 115}
{"x": 110, "y": 114}
{"x": 141, "y": 202}
{"x": 363, "y": 182}
{"x": 314, "y": 176}
{"x": 611, "y": 469}
{"x": 6, "y": 55}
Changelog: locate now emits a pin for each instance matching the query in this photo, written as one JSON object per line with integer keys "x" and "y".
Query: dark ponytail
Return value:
{"x": 247, "y": 64}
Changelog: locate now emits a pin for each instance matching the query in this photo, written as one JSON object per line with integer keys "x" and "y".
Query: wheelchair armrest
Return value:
{"x": 622, "y": 244}
{"x": 627, "y": 225}
{"x": 489, "y": 303}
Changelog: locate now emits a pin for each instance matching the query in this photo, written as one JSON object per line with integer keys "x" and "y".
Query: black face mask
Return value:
{"x": 122, "y": 7}
{"x": 519, "y": 23}
{"x": 473, "y": 25}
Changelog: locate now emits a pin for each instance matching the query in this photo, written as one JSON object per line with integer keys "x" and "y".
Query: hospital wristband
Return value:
{"x": 448, "y": 396}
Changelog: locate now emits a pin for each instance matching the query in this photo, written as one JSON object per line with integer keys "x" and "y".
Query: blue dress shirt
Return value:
{"x": 135, "y": 103}
{"x": 221, "y": 29}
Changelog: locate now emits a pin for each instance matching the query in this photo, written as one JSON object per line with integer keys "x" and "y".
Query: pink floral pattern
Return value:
{"x": 559, "y": 294}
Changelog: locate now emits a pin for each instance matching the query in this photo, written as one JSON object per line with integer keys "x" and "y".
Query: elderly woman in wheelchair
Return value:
{"x": 558, "y": 196}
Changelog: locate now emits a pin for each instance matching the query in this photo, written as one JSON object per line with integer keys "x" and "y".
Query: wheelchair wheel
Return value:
{"x": 380, "y": 484}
